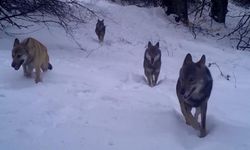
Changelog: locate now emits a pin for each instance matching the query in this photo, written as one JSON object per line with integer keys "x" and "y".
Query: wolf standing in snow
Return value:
{"x": 100, "y": 30}
{"x": 193, "y": 91}
{"x": 152, "y": 63}
{"x": 31, "y": 54}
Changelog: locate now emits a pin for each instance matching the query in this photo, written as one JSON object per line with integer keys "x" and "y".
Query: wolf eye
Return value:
{"x": 18, "y": 56}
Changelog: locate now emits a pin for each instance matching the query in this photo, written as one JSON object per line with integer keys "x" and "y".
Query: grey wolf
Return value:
{"x": 152, "y": 63}
{"x": 100, "y": 30}
{"x": 193, "y": 90}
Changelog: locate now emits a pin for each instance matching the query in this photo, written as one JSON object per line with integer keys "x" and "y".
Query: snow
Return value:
{"x": 99, "y": 99}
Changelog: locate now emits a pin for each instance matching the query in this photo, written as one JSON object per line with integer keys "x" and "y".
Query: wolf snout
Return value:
{"x": 13, "y": 64}
{"x": 16, "y": 67}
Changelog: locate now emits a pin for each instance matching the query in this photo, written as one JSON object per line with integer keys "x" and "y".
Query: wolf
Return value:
{"x": 193, "y": 90}
{"x": 30, "y": 54}
{"x": 152, "y": 63}
{"x": 100, "y": 30}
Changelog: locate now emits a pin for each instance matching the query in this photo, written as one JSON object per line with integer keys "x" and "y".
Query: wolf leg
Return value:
{"x": 197, "y": 112}
{"x": 24, "y": 70}
{"x": 29, "y": 70}
{"x": 190, "y": 118}
{"x": 184, "y": 112}
{"x": 38, "y": 72}
{"x": 156, "y": 77}
{"x": 101, "y": 38}
{"x": 203, "y": 108}
{"x": 150, "y": 81}
{"x": 45, "y": 67}
{"x": 148, "y": 75}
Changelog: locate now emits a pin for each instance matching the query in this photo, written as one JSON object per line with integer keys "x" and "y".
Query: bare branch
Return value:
{"x": 227, "y": 77}
{"x": 67, "y": 14}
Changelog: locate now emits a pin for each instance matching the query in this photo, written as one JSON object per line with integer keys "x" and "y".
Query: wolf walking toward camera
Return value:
{"x": 152, "y": 63}
{"x": 100, "y": 30}
{"x": 193, "y": 91}
{"x": 30, "y": 54}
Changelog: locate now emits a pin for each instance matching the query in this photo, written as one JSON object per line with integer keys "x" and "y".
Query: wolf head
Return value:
{"x": 19, "y": 54}
{"x": 153, "y": 53}
{"x": 192, "y": 76}
{"x": 100, "y": 24}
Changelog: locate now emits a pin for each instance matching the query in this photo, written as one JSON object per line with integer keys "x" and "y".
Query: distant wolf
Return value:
{"x": 193, "y": 89}
{"x": 100, "y": 30}
{"x": 31, "y": 54}
{"x": 152, "y": 63}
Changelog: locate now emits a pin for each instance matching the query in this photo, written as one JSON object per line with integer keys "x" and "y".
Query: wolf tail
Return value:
{"x": 50, "y": 67}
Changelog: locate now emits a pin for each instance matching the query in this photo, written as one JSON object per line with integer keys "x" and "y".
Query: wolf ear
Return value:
{"x": 16, "y": 42}
{"x": 149, "y": 44}
{"x": 27, "y": 41}
{"x": 188, "y": 59}
{"x": 157, "y": 45}
{"x": 202, "y": 61}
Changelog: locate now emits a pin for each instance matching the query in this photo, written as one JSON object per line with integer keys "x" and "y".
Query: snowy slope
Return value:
{"x": 98, "y": 100}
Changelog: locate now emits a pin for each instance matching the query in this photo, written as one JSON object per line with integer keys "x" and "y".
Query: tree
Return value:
{"x": 241, "y": 33}
{"x": 23, "y": 13}
{"x": 219, "y": 10}
{"x": 178, "y": 7}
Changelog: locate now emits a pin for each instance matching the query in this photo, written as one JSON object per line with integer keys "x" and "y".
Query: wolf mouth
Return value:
{"x": 17, "y": 66}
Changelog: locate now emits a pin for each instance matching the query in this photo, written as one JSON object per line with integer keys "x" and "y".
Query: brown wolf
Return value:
{"x": 31, "y": 54}
{"x": 193, "y": 91}
{"x": 100, "y": 30}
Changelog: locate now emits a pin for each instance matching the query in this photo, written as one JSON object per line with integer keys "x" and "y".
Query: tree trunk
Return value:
{"x": 178, "y": 7}
{"x": 219, "y": 10}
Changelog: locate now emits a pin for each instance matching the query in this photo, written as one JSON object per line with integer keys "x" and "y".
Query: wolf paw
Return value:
{"x": 38, "y": 80}
{"x": 203, "y": 133}
{"x": 188, "y": 123}
{"x": 196, "y": 126}
{"x": 28, "y": 75}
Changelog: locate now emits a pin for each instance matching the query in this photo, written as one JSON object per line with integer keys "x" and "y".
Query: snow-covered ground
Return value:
{"x": 98, "y": 100}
